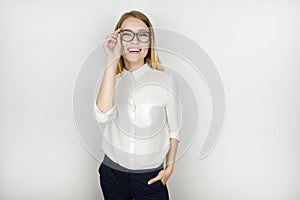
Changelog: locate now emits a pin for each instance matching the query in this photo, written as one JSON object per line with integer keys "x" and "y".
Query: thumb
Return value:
{"x": 153, "y": 180}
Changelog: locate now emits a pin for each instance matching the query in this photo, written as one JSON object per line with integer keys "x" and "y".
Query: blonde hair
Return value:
{"x": 151, "y": 58}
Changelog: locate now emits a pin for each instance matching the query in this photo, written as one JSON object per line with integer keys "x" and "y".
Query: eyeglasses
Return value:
{"x": 128, "y": 35}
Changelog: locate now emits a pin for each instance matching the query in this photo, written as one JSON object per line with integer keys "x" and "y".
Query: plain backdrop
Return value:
{"x": 255, "y": 46}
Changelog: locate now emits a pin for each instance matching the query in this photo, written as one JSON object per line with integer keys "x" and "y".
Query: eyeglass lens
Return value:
{"x": 128, "y": 36}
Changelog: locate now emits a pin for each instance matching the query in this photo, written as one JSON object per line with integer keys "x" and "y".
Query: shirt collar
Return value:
{"x": 137, "y": 73}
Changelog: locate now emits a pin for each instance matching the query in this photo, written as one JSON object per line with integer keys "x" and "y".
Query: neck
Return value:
{"x": 132, "y": 66}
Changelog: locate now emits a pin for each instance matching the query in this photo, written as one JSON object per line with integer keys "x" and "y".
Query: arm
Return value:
{"x": 171, "y": 155}
{"x": 170, "y": 160}
{"x": 166, "y": 173}
{"x": 173, "y": 113}
{"x": 107, "y": 89}
{"x": 106, "y": 92}
{"x": 104, "y": 106}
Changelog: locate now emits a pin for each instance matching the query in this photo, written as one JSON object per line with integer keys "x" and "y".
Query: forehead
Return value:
{"x": 134, "y": 24}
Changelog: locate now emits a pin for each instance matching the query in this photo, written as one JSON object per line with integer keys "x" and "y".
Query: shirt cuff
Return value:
{"x": 175, "y": 135}
{"x": 104, "y": 117}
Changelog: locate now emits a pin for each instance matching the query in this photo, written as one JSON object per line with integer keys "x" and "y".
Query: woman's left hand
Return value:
{"x": 162, "y": 176}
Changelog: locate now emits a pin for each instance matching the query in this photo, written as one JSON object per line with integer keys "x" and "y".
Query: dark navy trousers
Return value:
{"x": 120, "y": 185}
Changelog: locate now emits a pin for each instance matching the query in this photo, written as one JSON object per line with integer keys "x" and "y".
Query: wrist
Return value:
{"x": 112, "y": 59}
{"x": 111, "y": 64}
{"x": 169, "y": 168}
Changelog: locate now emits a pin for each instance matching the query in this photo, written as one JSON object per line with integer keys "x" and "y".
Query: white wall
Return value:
{"x": 254, "y": 44}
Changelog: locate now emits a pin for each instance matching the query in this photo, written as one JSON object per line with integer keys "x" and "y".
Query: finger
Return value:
{"x": 117, "y": 31}
{"x": 110, "y": 46}
{"x": 111, "y": 36}
{"x": 163, "y": 181}
{"x": 110, "y": 41}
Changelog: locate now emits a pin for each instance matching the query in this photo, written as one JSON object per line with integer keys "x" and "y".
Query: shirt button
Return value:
{"x": 131, "y": 101}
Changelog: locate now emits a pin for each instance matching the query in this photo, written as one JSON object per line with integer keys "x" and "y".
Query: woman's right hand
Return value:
{"x": 112, "y": 45}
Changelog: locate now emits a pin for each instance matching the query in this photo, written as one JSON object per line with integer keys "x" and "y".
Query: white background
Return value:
{"x": 255, "y": 46}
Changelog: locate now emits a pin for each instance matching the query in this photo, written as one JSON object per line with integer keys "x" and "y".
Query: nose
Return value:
{"x": 135, "y": 39}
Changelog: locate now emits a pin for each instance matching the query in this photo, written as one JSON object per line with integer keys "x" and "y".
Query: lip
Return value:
{"x": 134, "y": 50}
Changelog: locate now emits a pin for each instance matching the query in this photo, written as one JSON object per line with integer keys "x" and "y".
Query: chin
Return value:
{"x": 134, "y": 58}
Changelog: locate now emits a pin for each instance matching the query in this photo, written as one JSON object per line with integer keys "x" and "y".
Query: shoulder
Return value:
{"x": 159, "y": 75}
{"x": 167, "y": 76}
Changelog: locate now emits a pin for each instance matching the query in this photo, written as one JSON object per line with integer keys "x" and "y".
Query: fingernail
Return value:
{"x": 148, "y": 182}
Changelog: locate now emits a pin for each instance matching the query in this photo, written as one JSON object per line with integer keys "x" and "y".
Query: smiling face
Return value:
{"x": 134, "y": 51}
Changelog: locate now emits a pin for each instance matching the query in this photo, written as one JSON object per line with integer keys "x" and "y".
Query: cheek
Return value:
{"x": 123, "y": 47}
{"x": 146, "y": 49}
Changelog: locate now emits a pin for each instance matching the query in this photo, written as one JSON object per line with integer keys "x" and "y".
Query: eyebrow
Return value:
{"x": 127, "y": 29}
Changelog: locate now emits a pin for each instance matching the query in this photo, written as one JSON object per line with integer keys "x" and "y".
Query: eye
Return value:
{"x": 126, "y": 34}
{"x": 144, "y": 34}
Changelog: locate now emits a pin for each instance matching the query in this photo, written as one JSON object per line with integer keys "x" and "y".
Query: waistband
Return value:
{"x": 107, "y": 161}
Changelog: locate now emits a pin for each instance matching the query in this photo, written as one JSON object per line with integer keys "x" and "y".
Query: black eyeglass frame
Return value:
{"x": 135, "y": 35}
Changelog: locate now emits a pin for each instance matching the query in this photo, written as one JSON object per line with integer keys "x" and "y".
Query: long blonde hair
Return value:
{"x": 151, "y": 58}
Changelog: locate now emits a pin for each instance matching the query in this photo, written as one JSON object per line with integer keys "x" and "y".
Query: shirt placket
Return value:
{"x": 132, "y": 125}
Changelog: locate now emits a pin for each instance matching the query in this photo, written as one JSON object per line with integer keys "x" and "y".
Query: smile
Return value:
{"x": 134, "y": 50}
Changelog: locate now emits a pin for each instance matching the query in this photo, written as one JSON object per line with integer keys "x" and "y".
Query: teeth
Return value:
{"x": 134, "y": 49}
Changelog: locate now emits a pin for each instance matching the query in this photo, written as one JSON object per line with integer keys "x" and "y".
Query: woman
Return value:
{"x": 138, "y": 104}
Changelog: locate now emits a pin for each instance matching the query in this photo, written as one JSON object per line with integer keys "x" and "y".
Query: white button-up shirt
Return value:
{"x": 145, "y": 115}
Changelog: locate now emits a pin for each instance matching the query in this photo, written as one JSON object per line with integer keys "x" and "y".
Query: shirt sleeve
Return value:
{"x": 104, "y": 117}
{"x": 173, "y": 109}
